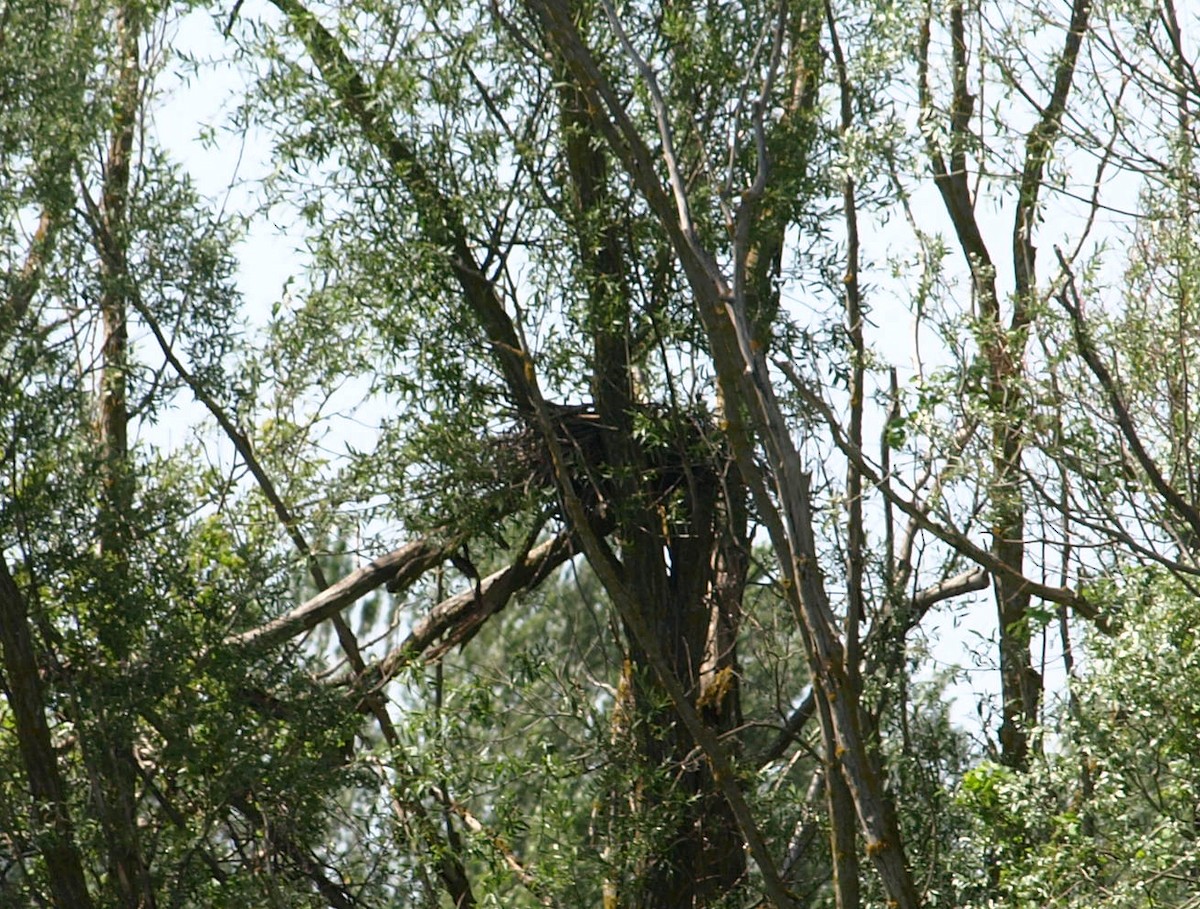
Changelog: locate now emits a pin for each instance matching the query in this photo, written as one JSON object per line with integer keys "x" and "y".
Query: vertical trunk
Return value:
{"x": 1002, "y": 346}
{"x": 843, "y": 843}
{"x": 683, "y": 551}
{"x": 1020, "y": 683}
{"x": 1003, "y": 351}
{"x": 690, "y": 603}
{"x": 54, "y": 831}
{"x": 700, "y": 856}
{"x": 724, "y": 852}
{"x": 116, "y": 493}
{"x": 110, "y": 756}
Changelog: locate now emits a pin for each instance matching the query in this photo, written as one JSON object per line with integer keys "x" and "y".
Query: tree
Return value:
{"x": 611, "y": 597}
{"x": 1128, "y": 836}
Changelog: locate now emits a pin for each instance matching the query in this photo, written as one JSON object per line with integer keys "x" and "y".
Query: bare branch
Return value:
{"x": 986, "y": 559}
{"x": 397, "y": 569}
{"x": 456, "y": 619}
{"x": 662, "y": 118}
{"x": 1070, "y": 301}
{"x": 967, "y": 582}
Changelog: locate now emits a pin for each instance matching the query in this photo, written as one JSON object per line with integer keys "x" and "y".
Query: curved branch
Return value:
{"x": 455, "y": 620}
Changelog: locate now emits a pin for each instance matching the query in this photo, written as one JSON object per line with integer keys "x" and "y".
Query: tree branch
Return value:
{"x": 1038, "y": 145}
{"x": 24, "y": 284}
{"x": 1068, "y": 297}
{"x": 982, "y": 557}
{"x": 456, "y": 619}
{"x": 397, "y": 569}
{"x": 969, "y": 581}
{"x": 921, "y": 603}
{"x": 437, "y": 215}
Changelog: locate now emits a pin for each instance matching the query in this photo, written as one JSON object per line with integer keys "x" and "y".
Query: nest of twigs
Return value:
{"x": 669, "y": 448}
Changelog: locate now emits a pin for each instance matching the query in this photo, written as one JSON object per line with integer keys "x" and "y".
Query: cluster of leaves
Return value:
{"x": 1108, "y": 816}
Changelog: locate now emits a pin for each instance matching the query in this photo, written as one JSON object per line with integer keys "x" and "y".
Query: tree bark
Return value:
{"x": 746, "y": 388}
{"x": 110, "y": 757}
{"x": 1003, "y": 348}
{"x": 53, "y": 829}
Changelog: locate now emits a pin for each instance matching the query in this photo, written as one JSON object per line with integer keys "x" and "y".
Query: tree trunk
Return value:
{"x": 23, "y": 686}
{"x": 688, "y": 565}
{"x": 109, "y": 750}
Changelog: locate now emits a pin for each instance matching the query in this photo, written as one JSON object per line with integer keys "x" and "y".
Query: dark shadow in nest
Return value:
{"x": 675, "y": 449}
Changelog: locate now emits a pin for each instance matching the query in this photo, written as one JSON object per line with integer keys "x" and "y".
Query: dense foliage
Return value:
{"x": 685, "y": 455}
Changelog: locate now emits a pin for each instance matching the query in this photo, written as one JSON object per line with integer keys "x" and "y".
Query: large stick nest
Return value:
{"x": 674, "y": 447}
